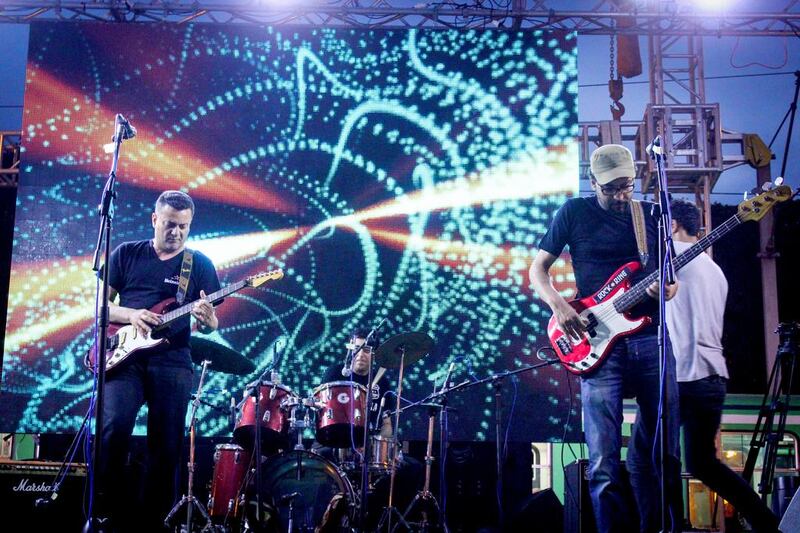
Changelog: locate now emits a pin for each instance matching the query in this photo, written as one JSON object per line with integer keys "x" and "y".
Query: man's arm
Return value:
{"x": 568, "y": 319}
{"x": 386, "y": 427}
{"x": 142, "y": 319}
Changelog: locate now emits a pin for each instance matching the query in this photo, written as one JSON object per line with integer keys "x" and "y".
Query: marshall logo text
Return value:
{"x": 25, "y": 485}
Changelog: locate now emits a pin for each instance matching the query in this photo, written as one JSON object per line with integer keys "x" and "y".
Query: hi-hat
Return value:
{"x": 416, "y": 345}
{"x": 222, "y": 358}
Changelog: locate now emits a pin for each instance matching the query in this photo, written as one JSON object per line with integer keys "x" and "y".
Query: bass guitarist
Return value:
{"x": 144, "y": 273}
{"x": 601, "y": 236}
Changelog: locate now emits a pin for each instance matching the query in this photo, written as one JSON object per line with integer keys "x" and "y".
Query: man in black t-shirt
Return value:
{"x": 601, "y": 238}
{"x": 409, "y": 473}
{"x": 358, "y": 372}
{"x": 143, "y": 274}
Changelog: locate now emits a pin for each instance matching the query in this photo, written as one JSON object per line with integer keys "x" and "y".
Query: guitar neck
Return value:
{"x": 638, "y": 292}
{"x": 214, "y": 297}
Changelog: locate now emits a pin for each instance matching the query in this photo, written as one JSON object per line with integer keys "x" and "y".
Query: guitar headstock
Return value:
{"x": 758, "y": 206}
{"x": 263, "y": 277}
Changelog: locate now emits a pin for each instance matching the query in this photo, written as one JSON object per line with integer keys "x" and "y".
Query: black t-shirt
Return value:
{"x": 334, "y": 373}
{"x": 600, "y": 241}
{"x": 143, "y": 280}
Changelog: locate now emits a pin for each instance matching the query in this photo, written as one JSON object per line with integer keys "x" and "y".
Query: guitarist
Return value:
{"x": 600, "y": 234}
{"x": 143, "y": 274}
{"x": 695, "y": 319}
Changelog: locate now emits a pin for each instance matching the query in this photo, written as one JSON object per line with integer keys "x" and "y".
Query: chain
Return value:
{"x": 611, "y": 43}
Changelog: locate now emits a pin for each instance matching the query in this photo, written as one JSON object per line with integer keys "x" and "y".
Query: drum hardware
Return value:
{"x": 189, "y": 500}
{"x": 396, "y": 352}
{"x": 223, "y": 359}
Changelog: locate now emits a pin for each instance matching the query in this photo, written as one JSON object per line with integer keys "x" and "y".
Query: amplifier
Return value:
{"x": 22, "y": 483}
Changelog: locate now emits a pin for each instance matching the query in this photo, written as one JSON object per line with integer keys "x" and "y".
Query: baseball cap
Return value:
{"x": 610, "y": 162}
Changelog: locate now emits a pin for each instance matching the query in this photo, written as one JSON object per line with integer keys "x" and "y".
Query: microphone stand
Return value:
{"x": 494, "y": 381}
{"x": 666, "y": 276}
{"x": 362, "y": 511}
{"x": 96, "y": 520}
{"x": 253, "y": 390}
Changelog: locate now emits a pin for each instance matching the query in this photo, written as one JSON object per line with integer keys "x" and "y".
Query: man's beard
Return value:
{"x": 618, "y": 206}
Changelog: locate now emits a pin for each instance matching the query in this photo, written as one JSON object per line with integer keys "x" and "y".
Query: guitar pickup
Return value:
{"x": 591, "y": 326}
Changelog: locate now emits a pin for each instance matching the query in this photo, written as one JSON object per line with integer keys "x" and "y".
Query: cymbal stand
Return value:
{"x": 425, "y": 496}
{"x": 390, "y": 509}
{"x": 189, "y": 499}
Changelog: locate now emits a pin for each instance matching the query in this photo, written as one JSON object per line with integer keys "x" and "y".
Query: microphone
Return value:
{"x": 124, "y": 127}
{"x": 232, "y": 413}
{"x": 275, "y": 379}
{"x": 654, "y": 148}
{"x": 346, "y": 370}
{"x": 287, "y": 497}
{"x": 449, "y": 373}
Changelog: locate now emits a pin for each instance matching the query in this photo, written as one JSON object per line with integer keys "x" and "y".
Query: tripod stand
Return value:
{"x": 425, "y": 497}
{"x": 776, "y": 402}
{"x": 189, "y": 500}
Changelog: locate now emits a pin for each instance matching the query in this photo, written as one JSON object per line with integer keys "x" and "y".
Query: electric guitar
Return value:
{"x": 607, "y": 311}
{"x": 124, "y": 340}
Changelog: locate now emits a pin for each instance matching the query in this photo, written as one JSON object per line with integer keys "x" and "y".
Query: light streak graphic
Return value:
{"x": 406, "y": 175}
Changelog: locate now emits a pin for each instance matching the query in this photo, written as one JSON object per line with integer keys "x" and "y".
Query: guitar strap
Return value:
{"x": 186, "y": 272}
{"x": 639, "y": 229}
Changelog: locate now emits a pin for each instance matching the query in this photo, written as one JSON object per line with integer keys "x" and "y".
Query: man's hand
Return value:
{"x": 569, "y": 320}
{"x": 203, "y": 311}
{"x": 144, "y": 320}
{"x": 669, "y": 291}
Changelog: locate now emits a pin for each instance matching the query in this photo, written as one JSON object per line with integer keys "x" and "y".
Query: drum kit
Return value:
{"x": 291, "y": 488}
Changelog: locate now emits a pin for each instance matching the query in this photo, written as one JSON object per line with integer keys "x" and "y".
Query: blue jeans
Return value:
{"x": 631, "y": 369}
{"x": 166, "y": 390}
{"x": 701, "y": 412}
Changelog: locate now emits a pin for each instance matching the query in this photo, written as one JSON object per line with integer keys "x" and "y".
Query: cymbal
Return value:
{"x": 416, "y": 344}
{"x": 222, "y": 358}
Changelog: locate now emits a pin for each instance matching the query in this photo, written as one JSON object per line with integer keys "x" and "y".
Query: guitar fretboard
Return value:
{"x": 214, "y": 297}
{"x": 638, "y": 292}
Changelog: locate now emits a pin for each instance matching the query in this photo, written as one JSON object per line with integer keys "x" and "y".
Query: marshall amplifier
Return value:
{"x": 25, "y": 490}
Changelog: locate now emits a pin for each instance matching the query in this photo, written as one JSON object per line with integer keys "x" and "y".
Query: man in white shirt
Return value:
{"x": 695, "y": 319}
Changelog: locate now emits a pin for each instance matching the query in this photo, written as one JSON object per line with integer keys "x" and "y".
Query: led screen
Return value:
{"x": 405, "y": 175}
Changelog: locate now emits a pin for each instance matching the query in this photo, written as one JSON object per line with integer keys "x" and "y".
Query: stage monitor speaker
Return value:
{"x": 22, "y": 483}
{"x": 540, "y": 512}
{"x": 578, "y": 517}
{"x": 578, "y": 512}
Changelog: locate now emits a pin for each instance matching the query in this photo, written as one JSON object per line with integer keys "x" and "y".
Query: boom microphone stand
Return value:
{"x": 666, "y": 276}
{"x": 122, "y": 130}
{"x": 362, "y": 511}
{"x": 493, "y": 381}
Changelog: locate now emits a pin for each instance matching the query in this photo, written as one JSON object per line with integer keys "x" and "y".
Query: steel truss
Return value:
{"x": 652, "y": 18}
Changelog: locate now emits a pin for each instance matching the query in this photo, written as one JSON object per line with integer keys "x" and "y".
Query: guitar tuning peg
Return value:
{"x": 766, "y": 186}
{"x": 779, "y": 181}
{"x": 744, "y": 195}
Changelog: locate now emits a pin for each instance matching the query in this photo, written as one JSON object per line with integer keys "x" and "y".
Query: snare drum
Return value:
{"x": 230, "y": 468}
{"x": 381, "y": 452}
{"x": 342, "y": 413}
{"x": 274, "y": 418}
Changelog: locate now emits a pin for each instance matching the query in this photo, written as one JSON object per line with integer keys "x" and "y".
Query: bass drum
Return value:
{"x": 305, "y": 488}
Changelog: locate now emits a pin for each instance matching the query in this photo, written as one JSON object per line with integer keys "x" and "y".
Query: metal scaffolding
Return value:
{"x": 651, "y": 17}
